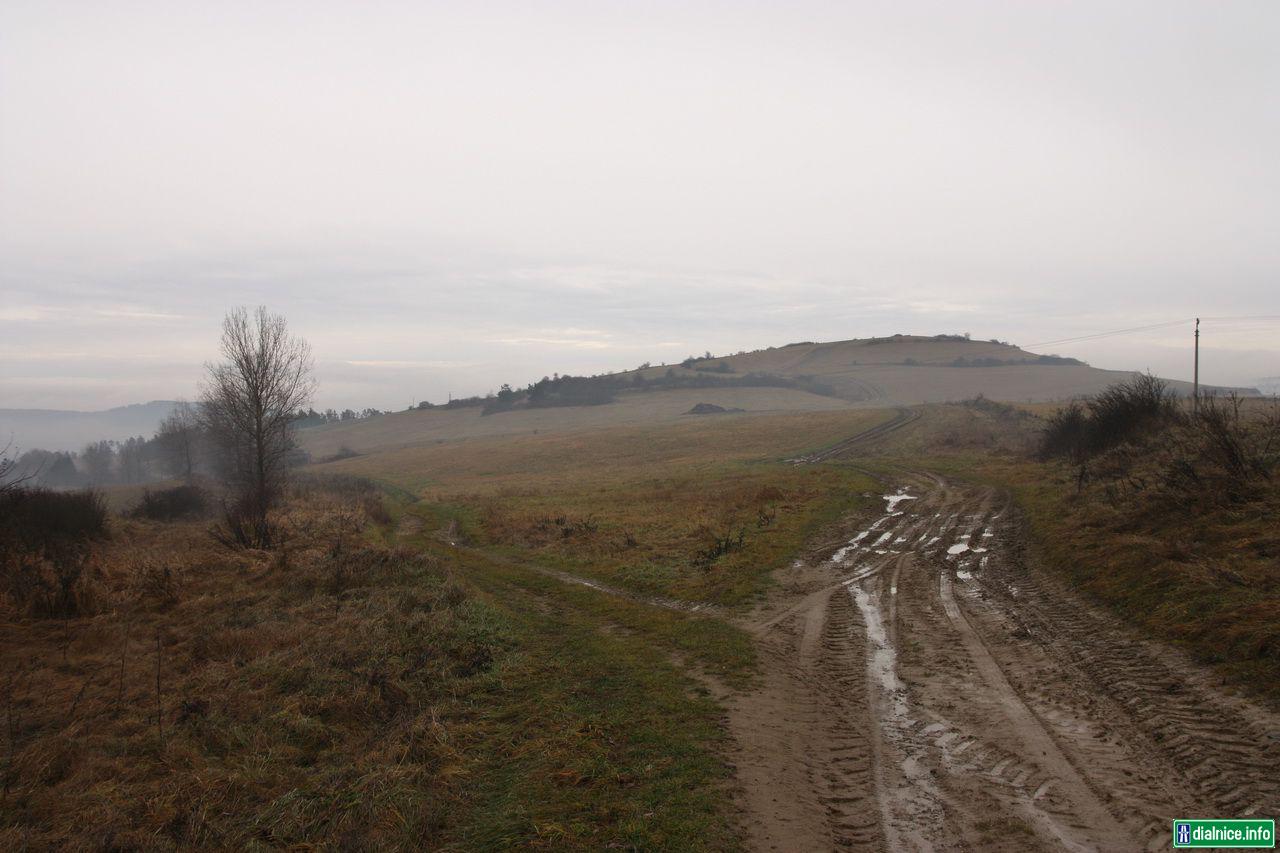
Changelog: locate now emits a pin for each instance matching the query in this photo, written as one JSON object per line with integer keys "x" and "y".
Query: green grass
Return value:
{"x": 594, "y": 734}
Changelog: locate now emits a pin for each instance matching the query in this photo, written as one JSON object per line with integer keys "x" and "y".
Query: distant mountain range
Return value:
{"x": 54, "y": 429}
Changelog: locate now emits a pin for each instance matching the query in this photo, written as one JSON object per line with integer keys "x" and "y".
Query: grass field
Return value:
{"x": 640, "y": 506}
{"x": 373, "y": 686}
{"x": 418, "y": 428}
{"x": 403, "y": 675}
{"x": 357, "y": 693}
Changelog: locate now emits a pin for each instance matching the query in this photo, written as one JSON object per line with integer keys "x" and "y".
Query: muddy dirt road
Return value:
{"x": 922, "y": 688}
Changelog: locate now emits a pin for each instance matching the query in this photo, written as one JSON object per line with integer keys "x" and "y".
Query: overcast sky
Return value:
{"x": 442, "y": 197}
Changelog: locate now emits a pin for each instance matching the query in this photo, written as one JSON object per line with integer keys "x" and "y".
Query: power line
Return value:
{"x": 1097, "y": 335}
{"x": 1253, "y": 318}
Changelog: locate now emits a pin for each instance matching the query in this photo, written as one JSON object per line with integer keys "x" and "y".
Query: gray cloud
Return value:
{"x": 443, "y": 198}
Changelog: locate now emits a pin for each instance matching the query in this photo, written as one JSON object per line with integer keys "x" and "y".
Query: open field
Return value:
{"x": 636, "y": 505}
{"x": 361, "y": 695}
{"x": 433, "y": 426}
{"x": 679, "y": 632}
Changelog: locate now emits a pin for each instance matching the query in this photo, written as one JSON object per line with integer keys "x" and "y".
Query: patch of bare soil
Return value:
{"x": 924, "y": 688}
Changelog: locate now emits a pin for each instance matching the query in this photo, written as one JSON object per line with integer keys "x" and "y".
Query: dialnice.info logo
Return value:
{"x": 1224, "y": 833}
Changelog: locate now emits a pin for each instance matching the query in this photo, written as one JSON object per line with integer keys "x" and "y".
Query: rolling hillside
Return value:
{"x": 876, "y": 372}
{"x": 910, "y": 369}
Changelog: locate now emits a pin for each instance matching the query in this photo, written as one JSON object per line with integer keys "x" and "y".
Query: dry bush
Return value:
{"x": 34, "y": 519}
{"x": 45, "y": 550}
{"x": 1125, "y": 412}
{"x": 1221, "y": 455}
{"x": 245, "y": 524}
{"x": 185, "y": 501}
{"x": 49, "y": 582}
{"x": 345, "y": 488}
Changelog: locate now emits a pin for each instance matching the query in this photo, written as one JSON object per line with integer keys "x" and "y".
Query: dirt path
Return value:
{"x": 901, "y": 417}
{"x": 923, "y": 688}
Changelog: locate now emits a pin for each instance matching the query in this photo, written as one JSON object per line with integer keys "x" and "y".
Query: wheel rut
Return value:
{"x": 939, "y": 693}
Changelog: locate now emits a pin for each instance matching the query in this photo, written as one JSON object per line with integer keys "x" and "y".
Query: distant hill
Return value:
{"x": 909, "y": 369}
{"x": 897, "y": 370}
{"x": 54, "y": 429}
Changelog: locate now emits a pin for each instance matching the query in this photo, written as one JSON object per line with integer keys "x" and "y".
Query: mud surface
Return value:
{"x": 923, "y": 688}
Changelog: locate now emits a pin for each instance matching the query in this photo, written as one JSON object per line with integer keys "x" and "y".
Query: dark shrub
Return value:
{"x": 1128, "y": 410}
{"x": 1124, "y": 412}
{"x": 44, "y": 551}
{"x": 1065, "y": 435}
{"x": 40, "y": 519}
{"x": 245, "y": 525}
{"x": 172, "y": 504}
{"x": 1220, "y": 456}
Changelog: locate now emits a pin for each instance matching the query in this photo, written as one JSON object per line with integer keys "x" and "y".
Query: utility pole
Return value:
{"x": 1195, "y": 387}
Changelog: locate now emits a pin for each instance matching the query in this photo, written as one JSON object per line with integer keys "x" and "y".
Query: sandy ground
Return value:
{"x": 924, "y": 688}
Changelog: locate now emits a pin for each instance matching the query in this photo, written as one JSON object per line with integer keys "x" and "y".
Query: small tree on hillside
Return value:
{"x": 248, "y": 403}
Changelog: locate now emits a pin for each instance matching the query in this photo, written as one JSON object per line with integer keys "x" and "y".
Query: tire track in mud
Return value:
{"x": 1220, "y": 747}
{"x": 922, "y": 687}
{"x": 1015, "y": 706}
{"x": 916, "y": 808}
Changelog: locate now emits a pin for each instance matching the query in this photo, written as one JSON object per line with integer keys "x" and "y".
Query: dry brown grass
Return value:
{"x": 223, "y": 699}
{"x": 637, "y": 505}
{"x": 337, "y": 694}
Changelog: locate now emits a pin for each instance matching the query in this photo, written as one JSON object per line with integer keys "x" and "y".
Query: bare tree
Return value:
{"x": 247, "y": 404}
{"x": 178, "y": 439}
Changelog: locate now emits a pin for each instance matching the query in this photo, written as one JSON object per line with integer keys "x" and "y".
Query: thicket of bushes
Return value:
{"x": 1121, "y": 413}
{"x": 44, "y": 537}
{"x": 1135, "y": 437}
{"x": 172, "y": 504}
{"x": 33, "y": 519}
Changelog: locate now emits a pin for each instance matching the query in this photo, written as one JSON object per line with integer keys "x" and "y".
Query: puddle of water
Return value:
{"x": 894, "y": 500}
{"x": 962, "y": 546}
{"x": 902, "y": 808}
{"x": 884, "y": 658}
